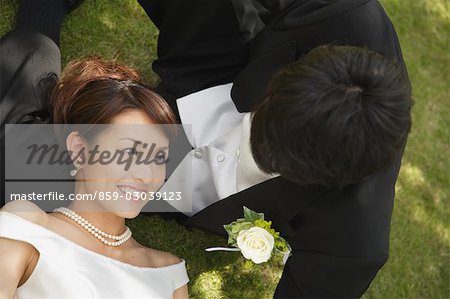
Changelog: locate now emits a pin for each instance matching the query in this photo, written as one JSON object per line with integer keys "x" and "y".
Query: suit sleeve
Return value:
{"x": 310, "y": 274}
{"x": 30, "y": 64}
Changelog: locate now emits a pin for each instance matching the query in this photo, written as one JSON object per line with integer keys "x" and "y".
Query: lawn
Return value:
{"x": 420, "y": 237}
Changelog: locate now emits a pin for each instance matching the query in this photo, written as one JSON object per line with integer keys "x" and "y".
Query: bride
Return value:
{"x": 86, "y": 250}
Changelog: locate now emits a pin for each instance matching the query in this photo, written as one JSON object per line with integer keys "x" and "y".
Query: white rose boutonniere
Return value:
{"x": 254, "y": 238}
{"x": 256, "y": 244}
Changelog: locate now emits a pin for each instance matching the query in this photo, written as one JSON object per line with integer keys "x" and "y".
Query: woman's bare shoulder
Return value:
{"x": 162, "y": 258}
{"x": 26, "y": 210}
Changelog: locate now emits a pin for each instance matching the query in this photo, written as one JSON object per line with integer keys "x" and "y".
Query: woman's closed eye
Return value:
{"x": 160, "y": 157}
{"x": 130, "y": 151}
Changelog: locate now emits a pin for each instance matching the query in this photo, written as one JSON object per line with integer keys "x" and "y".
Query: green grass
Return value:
{"x": 419, "y": 255}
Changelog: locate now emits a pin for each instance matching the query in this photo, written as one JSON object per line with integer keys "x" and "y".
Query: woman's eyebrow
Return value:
{"x": 129, "y": 139}
{"x": 162, "y": 148}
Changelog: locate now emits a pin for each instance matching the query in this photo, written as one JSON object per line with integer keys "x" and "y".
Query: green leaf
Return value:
{"x": 251, "y": 216}
{"x": 233, "y": 230}
{"x": 241, "y": 226}
{"x": 228, "y": 228}
{"x": 231, "y": 235}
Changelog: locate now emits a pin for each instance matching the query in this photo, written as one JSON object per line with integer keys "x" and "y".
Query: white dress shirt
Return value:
{"x": 221, "y": 162}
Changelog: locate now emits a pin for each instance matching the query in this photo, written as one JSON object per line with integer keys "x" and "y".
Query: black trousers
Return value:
{"x": 200, "y": 45}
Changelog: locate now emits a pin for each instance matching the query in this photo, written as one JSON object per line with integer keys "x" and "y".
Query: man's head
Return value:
{"x": 335, "y": 116}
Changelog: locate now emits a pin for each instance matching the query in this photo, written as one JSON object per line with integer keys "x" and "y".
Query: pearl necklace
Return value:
{"x": 93, "y": 230}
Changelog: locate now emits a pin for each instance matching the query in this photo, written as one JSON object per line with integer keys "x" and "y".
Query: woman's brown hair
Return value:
{"x": 94, "y": 91}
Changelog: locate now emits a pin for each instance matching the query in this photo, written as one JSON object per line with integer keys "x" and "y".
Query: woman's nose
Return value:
{"x": 142, "y": 173}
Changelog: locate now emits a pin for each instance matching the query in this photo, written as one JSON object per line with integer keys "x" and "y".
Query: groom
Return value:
{"x": 319, "y": 155}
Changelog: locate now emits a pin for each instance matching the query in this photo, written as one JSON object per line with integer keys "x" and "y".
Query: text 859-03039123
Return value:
{"x": 143, "y": 195}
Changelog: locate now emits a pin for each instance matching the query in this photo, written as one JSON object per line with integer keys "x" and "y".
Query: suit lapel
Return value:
{"x": 279, "y": 200}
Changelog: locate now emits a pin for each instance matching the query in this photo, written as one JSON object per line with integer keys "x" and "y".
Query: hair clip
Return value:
{"x": 124, "y": 83}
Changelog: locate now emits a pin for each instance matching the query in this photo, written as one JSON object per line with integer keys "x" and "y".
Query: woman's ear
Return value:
{"x": 76, "y": 145}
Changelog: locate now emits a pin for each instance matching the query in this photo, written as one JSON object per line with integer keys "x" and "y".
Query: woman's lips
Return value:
{"x": 135, "y": 194}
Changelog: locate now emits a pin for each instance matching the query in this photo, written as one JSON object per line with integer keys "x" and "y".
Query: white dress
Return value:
{"x": 68, "y": 270}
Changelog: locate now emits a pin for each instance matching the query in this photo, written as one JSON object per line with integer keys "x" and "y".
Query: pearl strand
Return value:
{"x": 72, "y": 214}
{"x": 93, "y": 230}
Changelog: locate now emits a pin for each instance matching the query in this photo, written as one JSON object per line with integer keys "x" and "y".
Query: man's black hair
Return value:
{"x": 335, "y": 116}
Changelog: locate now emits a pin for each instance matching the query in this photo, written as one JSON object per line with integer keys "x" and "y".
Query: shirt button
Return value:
{"x": 198, "y": 153}
{"x": 221, "y": 158}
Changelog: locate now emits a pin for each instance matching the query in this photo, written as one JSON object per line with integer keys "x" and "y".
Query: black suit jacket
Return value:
{"x": 340, "y": 238}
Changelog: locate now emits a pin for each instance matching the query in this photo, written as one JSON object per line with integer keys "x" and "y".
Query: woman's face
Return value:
{"x": 128, "y": 163}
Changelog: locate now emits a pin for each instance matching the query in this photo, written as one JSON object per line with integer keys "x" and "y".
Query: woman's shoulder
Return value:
{"x": 26, "y": 210}
{"x": 161, "y": 258}
{"x": 177, "y": 274}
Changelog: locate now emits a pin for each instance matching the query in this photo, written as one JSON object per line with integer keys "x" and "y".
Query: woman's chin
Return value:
{"x": 128, "y": 214}
{"x": 128, "y": 209}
